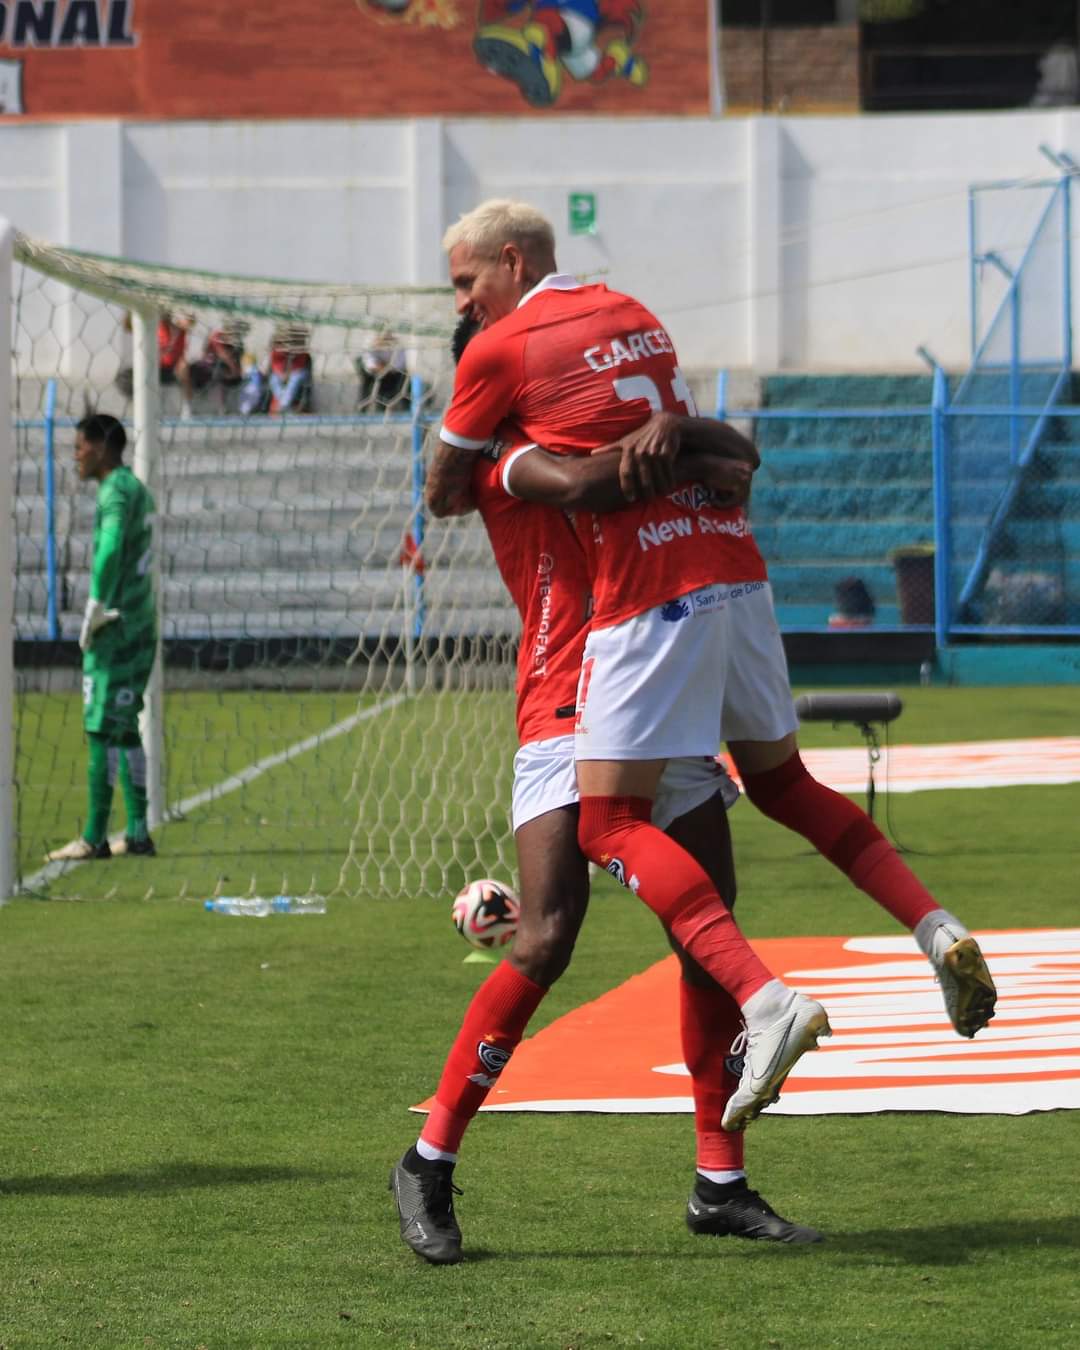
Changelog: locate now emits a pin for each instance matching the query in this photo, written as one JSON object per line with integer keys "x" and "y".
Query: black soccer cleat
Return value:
{"x": 136, "y": 847}
{"x": 425, "y": 1192}
{"x": 735, "y": 1210}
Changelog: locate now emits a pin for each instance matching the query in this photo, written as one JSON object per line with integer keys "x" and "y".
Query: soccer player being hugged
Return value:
{"x": 683, "y": 650}
{"x": 118, "y": 641}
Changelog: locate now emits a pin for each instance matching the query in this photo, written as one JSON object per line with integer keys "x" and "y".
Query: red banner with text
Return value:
{"x": 353, "y": 58}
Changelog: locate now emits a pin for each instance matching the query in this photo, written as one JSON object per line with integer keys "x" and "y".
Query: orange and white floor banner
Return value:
{"x": 971, "y": 764}
{"x": 892, "y": 1047}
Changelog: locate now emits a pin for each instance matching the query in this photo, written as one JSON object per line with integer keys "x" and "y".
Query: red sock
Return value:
{"x": 617, "y": 833}
{"x": 710, "y": 1022}
{"x": 494, "y": 1024}
{"x": 845, "y": 835}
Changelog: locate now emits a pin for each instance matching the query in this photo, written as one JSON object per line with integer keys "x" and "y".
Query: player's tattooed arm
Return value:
{"x": 448, "y": 487}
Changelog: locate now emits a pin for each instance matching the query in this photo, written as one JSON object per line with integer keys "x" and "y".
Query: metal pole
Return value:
{"x": 9, "y": 867}
{"x": 1066, "y": 267}
{"x": 50, "y": 510}
{"x": 973, "y": 268}
{"x": 721, "y": 395}
{"x": 939, "y": 441}
{"x": 146, "y": 464}
{"x": 1014, "y": 375}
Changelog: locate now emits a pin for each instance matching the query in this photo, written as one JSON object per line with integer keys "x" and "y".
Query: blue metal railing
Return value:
{"x": 941, "y": 414}
{"x": 1011, "y": 311}
{"x": 418, "y": 420}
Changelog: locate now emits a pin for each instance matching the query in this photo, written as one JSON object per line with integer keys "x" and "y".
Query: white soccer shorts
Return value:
{"x": 680, "y": 678}
{"x": 545, "y": 779}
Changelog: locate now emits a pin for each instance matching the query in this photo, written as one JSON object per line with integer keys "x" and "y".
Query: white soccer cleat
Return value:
{"x": 80, "y": 850}
{"x": 966, "y": 983}
{"x": 775, "y": 1039}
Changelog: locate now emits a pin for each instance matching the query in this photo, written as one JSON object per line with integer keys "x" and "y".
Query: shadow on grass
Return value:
{"x": 954, "y": 1244}
{"x": 934, "y": 1245}
{"x": 159, "y": 1180}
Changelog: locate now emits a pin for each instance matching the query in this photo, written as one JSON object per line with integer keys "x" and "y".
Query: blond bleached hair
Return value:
{"x": 487, "y": 227}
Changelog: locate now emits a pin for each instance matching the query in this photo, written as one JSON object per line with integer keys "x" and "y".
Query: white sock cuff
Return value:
{"x": 722, "y": 1178}
{"x": 930, "y": 923}
{"x": 433, "y": 1154}
{"x": 769, "y": 998}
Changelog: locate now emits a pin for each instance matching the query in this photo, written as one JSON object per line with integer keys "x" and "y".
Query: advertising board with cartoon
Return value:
{"x": 352, "y": 58}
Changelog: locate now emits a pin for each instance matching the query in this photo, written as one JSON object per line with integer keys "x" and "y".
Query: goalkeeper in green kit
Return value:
{"x": 118, "y": 641}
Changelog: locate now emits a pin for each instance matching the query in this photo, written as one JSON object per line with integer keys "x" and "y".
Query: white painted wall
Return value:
{"x": 763, "y": 243}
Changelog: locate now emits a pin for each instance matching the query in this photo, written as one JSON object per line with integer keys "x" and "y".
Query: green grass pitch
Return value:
{"x": 200, "y": 1112}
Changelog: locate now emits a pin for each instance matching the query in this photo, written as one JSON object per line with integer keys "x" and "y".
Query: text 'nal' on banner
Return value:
{"x": 892, "y": 1047}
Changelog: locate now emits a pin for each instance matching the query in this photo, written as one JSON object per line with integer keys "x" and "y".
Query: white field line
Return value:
{"x": 233, "y": 783}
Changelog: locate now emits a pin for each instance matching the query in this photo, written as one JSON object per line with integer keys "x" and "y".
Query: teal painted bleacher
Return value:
{"x": 834, "y": 497}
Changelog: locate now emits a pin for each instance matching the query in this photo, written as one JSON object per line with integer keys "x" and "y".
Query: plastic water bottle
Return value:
{"x": 298, "y": 904}
{"x": 259, "y": 906}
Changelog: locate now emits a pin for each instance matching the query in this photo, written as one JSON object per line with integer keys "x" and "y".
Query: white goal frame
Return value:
{"x": 358, "y": 597}
{"x": 7, "y": 574}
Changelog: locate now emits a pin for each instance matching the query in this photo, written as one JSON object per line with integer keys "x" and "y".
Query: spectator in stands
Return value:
{"x": 384, "y": 379}
{"x": 173, "y": 366}
{"x": 855, "y": 606}
{"x": 220, "y": 366}
{"x": 254, "y": 391}
{"x": 290, "y": 369}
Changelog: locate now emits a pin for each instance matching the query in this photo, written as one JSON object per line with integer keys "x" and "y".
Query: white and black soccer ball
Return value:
{"x": 486, "y": 913}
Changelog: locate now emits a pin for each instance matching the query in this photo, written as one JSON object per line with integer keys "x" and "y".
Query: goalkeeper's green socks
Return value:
{"x": 133, "y": 786}
{"x": 101, "y": 791}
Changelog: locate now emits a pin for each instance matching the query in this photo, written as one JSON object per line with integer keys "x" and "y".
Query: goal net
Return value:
{"x": 332, "y": 708}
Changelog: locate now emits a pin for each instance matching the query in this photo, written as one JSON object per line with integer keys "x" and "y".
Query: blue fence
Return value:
{"x": 931, "y": 503}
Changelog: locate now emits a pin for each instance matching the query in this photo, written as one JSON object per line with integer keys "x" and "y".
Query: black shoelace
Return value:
{"x": 438, "y": 1191}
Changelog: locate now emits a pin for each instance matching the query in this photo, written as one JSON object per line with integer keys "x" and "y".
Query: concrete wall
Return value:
{"x": 765, "y": 243}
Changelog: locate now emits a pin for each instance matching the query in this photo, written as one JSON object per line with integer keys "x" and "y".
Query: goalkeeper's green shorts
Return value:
{"x": 115, "y": 674}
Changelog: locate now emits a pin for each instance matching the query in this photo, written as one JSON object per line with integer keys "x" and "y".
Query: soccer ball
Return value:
{"x": 485, "y": 913}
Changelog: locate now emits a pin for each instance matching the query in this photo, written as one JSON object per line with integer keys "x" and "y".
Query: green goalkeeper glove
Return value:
{"x": 95, "y": 618}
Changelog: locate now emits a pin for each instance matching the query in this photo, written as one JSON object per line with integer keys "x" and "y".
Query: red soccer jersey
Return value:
{"x": 576, "y": 367}
{"x": 544, "y": 569}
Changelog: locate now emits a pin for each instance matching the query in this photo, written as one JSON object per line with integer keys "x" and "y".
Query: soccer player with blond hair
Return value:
{"x": 684, "y": 649}
{"x": 519, "y": 490}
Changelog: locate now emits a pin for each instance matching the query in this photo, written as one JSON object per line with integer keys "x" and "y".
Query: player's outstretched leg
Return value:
{"x": 966, "y": 983}
{"x": 424, "y": 1191}
{"x": 850, "y": 840}
{"x": 781, "y": 1026}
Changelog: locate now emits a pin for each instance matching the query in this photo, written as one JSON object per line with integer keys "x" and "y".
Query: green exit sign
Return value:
{"x": 582, "y": 207}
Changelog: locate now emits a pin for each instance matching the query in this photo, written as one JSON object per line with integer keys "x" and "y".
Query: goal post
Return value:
{"x": 332, "y": 705}
{"x": 146, "y": 416}
{"x": 8, "y": 864}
